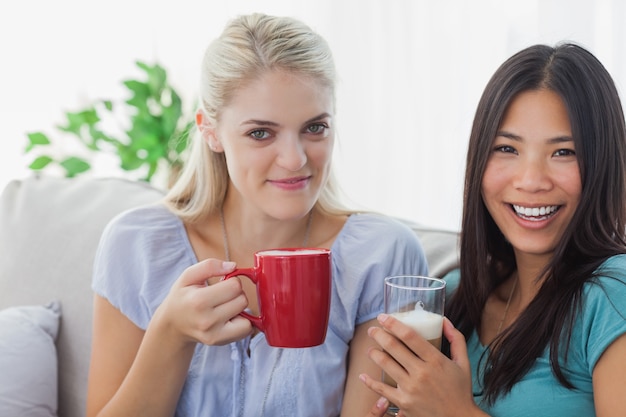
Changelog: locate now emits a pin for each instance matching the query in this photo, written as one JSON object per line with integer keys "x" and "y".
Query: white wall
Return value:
{"x": 411, "y": 74}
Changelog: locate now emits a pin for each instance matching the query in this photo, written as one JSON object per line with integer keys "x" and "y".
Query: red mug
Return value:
{"x": 293, "y": 289}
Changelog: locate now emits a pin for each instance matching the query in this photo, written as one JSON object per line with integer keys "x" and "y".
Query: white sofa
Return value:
{"x": 49, "y": 230}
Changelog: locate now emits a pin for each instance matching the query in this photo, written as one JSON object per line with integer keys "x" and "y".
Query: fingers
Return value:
{"x": 224, "y": 291}
{"x": 199, "y": 273}
{"x": 217, "y": 309}
{"x": 379, "y": 387}
{"x": 207, "y": 314}
{"x": 393, "y": 357}
{"x": 420, "y": 369}
{"x": 405, "y": 337}
{"x": 458, "y": 346}
{"x": 232, "y": 330}
{"x": 379, "y": 408}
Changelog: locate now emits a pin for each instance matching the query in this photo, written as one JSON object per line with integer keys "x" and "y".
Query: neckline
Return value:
{"x": 189, "y": 251}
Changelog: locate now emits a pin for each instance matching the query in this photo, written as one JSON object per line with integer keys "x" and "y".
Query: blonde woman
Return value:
{"x": 168, "y": 340}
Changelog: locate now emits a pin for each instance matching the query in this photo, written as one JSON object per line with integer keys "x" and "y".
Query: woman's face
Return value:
{"x": 277, "y": 136}
{"x": 531, "y": 185}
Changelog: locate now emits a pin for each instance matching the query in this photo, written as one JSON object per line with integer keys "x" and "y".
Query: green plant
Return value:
{"x": 153, "y": 136}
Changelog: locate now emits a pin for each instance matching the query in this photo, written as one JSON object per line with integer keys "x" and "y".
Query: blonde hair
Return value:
{"x": 249, "y": 46}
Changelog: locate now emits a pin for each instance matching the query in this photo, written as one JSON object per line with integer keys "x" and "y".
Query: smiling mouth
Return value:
{"x": 291, "y": 180}
{"x": 535, "y": 213}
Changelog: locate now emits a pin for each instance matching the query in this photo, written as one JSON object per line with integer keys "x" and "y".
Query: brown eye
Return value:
{"x": 504, "y": 149}
{"x": 565, "y": 152}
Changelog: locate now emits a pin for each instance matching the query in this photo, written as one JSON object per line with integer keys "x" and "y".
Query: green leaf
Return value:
{"x": 151, "y": 170}
{"x": 76, "y": 121}
{"x": 179, "y": 141}
{"x": 157, "y": 77}
{"x": 40, "y": 163}
{"x": 155, "y": 153}
{"x": 171, "y": 115}
{"x": 144, "y": 134}
{"x": 140, "y": 93}
{"x": 156, "y": 131}
{"x": 129, "y": 160}
{"x": 74, "y": 165}
{"x": 34, "y": 139}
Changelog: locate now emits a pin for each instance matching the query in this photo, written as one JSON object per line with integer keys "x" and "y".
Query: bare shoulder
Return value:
{"x": 609, "y": 380}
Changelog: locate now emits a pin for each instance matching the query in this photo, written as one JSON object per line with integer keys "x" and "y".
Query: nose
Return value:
{"x": 532, "y": 175}
{"x": 291, "y": 153}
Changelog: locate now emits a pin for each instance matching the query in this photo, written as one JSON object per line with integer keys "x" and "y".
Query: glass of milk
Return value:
{"x": 418, "y": 302}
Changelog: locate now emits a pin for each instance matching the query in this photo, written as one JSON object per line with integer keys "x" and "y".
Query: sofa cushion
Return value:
{"x": 28, "y": 359}
{"x": 440, "y": 246}
{"x": 49, "y": 231}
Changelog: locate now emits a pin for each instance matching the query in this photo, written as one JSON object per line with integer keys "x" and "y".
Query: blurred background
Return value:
{"x": 411, "y": 73}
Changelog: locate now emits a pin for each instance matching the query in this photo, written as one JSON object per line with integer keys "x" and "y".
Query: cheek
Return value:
{"x": 493, "y": 178}
{"x": 238, "y": 167}
{"x": 493, "y": 184}
{"x": 320, "y": 154}
{"x": 572, "y": 183}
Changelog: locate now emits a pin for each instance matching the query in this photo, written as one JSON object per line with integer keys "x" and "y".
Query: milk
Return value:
{"x": 428, "y": 325}
{"x": 295, "y": 252}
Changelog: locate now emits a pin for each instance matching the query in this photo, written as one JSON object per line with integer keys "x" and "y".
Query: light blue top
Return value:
{"x": 143, "y": 251}
{"x": 602, "y": 320}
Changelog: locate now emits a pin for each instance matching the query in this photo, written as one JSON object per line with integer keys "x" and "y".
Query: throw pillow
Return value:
{"x": 28, "y": 359}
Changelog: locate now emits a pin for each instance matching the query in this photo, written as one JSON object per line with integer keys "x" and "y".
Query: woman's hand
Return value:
{"x": 379, "y": 408}
{"x": 209, "y": 314}
{"x": 133, "y": 372}
{"x": 429, "y": 384}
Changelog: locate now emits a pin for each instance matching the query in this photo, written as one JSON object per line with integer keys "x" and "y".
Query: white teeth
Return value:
{"x": 535, "y": 211}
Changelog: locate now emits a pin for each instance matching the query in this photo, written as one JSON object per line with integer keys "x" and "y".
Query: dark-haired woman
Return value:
{"x": 540, "y": 296}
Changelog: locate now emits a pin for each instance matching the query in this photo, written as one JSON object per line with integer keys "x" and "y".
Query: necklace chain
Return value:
{"x": 307, "y": 233}
{"x": 506, "y": 309}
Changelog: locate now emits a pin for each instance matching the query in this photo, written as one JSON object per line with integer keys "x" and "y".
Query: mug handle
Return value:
{"x": 250, "y": 273}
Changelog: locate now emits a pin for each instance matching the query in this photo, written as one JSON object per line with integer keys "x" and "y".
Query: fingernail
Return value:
{"x": 228, "y": 265}
{"x": 381, "y": 403}
{"x": 382, "y": 317}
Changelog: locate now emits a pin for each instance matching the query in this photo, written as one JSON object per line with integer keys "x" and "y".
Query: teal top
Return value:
{"x": 539, "y": 393}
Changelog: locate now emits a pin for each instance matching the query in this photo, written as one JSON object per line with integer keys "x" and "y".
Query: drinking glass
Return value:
{"x": 418, "y": 302}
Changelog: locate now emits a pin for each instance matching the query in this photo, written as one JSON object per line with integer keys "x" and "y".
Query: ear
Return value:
{"x": 207, "y": 130}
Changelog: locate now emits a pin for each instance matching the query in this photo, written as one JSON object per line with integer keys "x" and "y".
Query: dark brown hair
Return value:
{"x": 595, "y": 233}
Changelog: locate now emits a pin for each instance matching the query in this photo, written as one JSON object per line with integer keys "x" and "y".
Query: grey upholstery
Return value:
{"x": 49, "y": 230}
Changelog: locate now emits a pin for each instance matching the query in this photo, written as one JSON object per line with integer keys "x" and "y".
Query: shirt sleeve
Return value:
{"x": 370, "y": 249}
{"x": 604, "y": 309}
{"x": 140, "y": 255}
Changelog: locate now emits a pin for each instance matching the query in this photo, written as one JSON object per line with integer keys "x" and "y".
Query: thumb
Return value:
{"x": 458, "y": 347}
{"x": 199, "y": 273}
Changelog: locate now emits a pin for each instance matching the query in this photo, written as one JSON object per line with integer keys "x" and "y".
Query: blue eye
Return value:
{"x": 317, "y": 128}
{"x": 259, "y": 134}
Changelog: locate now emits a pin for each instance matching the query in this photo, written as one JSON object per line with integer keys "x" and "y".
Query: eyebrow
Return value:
{"x": 268, "y": 123}
{"x": 513, "y": 136}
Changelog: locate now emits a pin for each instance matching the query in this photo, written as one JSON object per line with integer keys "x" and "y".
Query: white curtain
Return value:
{"x": 411, "y": 73}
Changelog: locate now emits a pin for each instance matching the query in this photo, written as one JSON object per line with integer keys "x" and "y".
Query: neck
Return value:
{"x": 530, "y": 281}
{"x": 239, "y": 243}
